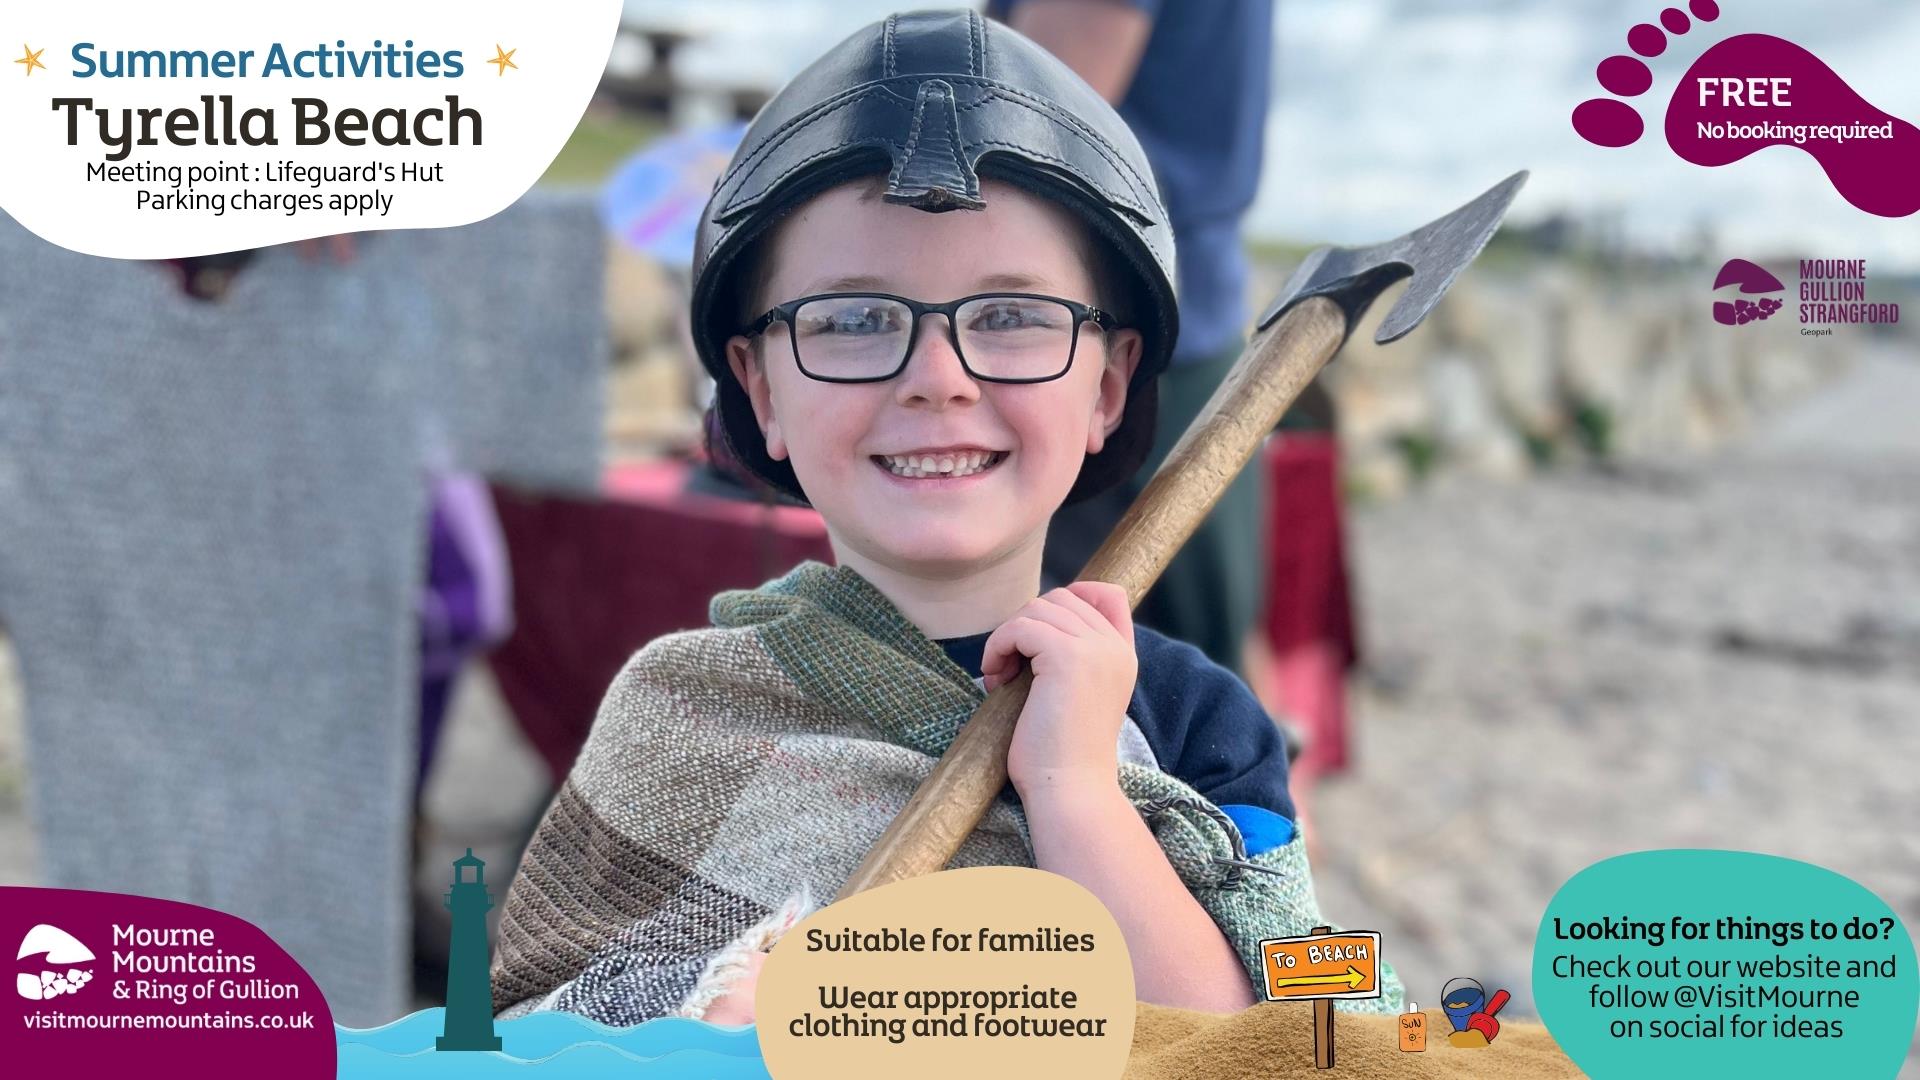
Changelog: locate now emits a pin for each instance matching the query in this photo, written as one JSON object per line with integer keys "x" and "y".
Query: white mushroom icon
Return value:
{"x": 61, "y": 949}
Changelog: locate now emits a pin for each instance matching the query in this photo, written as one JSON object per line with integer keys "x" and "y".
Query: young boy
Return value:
{"x": 936, "y": 385}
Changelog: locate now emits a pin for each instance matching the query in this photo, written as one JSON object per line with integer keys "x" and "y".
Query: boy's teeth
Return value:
{"x": 925, "y": 465}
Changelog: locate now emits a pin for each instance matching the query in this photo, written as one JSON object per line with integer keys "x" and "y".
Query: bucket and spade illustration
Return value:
{"x": 1471, "y": 1012}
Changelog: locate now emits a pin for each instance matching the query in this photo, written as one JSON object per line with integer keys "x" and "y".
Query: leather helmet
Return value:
{"x": 935, "y": 100}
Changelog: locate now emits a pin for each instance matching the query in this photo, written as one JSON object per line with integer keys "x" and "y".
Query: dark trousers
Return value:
{"x": 1211, "y": 592}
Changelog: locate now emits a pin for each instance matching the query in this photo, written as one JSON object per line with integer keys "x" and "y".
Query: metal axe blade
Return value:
{"x": 1433, "y": 255}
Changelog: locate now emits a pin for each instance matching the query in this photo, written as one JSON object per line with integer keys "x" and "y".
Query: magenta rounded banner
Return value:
{"x": 112, "y": 984}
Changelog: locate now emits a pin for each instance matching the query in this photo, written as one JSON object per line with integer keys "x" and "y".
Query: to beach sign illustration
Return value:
{"x": 1321, "y": 967}
{"x": 1314, "y": 966}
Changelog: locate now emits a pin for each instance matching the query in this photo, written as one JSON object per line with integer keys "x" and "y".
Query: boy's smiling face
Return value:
{"x": 859, "y": 449}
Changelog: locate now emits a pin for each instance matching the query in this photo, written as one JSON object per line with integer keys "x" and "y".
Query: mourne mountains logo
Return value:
{"x": 57, "y": 949}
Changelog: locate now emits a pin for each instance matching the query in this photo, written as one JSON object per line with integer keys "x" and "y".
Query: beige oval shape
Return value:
{"x": 969, "y": 970}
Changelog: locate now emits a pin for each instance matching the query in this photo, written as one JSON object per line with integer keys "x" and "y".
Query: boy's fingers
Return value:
{"x": 1018, "y": 637}
{"x": 1050, "y": 621}
{"x": 1064, "y": 599}
{"x": 995, "y": 670}
{"x": 1066, "y": 611}
{"x": 1096, "y": 619}
{"x": 1110, "y": 601}
{"x": 1013, "y": 641}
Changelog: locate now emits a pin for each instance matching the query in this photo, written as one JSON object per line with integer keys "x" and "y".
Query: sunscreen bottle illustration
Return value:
{"x": 1413, "y": 1029}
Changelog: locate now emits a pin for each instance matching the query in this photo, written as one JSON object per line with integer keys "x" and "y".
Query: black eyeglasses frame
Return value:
{"x": 785, "y": 313}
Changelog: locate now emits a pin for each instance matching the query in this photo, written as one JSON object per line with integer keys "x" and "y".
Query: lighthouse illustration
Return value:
{"x": 469, "y": 1020}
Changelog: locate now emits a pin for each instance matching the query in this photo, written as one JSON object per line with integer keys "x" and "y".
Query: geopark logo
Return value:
{"x": 1751, "y": 279}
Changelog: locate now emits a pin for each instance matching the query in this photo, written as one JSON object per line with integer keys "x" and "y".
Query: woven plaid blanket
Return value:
{"x": 735, "y": 774}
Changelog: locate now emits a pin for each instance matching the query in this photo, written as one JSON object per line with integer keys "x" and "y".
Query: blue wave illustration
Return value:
{"x": 553, "y": 1046}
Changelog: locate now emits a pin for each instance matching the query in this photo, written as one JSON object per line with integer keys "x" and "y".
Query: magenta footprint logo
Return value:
{"x": 1753, "y": 91}
{"x": 1607, "y": 122}
{"x": 1751, "y": 279}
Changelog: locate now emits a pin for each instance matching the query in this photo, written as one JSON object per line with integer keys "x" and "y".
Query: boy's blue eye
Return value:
{"x": 853, "y": 319}
{"x": 1016, "y": 315}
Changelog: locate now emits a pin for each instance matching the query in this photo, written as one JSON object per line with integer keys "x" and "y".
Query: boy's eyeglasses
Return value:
{"x": 867, "y": 337}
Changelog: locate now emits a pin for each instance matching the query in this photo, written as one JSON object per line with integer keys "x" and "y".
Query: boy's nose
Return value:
{"x": 935, "y": 376}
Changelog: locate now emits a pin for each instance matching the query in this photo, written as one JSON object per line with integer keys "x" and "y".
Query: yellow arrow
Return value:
{"x": 1353, "y": 978}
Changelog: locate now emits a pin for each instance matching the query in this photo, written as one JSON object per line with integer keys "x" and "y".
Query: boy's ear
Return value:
{"x": 1110, "y": 407}
{"x": 747, "y": 367}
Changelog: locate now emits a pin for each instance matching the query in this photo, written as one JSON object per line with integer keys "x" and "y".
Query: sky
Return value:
{"x": 1386, "y": 113}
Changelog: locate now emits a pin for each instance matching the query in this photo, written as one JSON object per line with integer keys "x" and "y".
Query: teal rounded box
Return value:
{"x": 1690, "y": 963}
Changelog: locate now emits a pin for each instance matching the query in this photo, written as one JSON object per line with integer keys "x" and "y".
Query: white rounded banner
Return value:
{"x": 144, "y": 131}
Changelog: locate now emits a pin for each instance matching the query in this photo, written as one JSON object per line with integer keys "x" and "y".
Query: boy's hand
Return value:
{"x": 737, "y": 1006}
{"x": 1079, "y": 642}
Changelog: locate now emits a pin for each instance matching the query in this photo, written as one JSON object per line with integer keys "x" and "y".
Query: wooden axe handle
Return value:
{"x": 1276, "y": 366}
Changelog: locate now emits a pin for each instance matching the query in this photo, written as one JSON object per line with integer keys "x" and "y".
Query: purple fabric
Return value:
{"x": 466, "y": 607}
{"x": 467, "y": 604}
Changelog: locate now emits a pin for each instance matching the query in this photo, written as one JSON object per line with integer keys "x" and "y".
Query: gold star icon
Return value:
{"x": 503, "y": 58}
{"x": 31, "y": 59}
